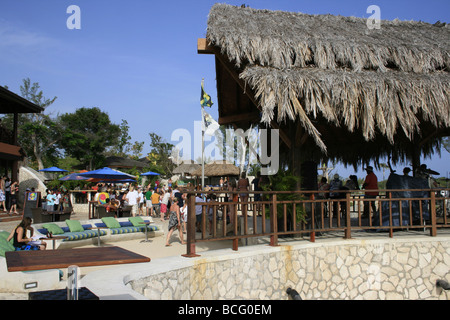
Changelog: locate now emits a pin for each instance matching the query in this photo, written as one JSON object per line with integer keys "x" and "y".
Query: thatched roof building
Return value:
{"x": 334, "y": 88}
{"x": 186, "y": 169}
{"x": 218, "y": 169}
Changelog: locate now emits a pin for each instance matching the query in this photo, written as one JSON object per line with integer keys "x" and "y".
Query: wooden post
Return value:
{"x": 190, "y": 241}
{"x": 433, "y": 230}
{"x": 348, "y": 229}
{"x": 235, "y": 225}
{"x": 273, "y": 222}
{"x": 391, "y": 230}
{"x": 312, "y": 235}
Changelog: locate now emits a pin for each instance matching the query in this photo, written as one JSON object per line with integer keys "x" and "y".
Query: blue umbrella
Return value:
{"x": 73, "y": 176}
{"x": 107, "y": 173}
{"x": 53, "y": 169}
{"x": 150, "y": 173}
{"x": 117, "y": 181}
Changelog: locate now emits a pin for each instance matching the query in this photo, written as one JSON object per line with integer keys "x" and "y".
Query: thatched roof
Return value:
{"x": 218, "y": 169}
{"x": 287, "y": 40}
{"x": 186, "y": 168}
{"x": 386, "y": 84}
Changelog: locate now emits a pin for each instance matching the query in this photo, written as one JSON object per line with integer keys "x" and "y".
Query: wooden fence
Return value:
{"x": 312, "y": 213}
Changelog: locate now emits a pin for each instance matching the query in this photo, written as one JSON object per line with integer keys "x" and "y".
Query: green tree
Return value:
{"x": 159, "y": 155}
{"x": 87, "y": 134}
{"x": 136, "y": 150}
{"x": 123, "y": 142}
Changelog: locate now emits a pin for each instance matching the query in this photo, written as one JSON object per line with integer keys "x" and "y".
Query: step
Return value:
{"x": 4, "y": 217}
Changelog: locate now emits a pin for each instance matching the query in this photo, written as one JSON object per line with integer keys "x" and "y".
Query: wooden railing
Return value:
{"x": 312, "y": 213}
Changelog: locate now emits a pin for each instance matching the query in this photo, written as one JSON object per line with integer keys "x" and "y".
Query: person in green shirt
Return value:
{"x": 148, "y": 201}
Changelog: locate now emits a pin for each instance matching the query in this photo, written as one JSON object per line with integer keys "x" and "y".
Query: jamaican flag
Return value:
{"x": 205, "y": 99}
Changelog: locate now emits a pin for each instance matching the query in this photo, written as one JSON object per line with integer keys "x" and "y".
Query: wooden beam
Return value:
{"x": 301, "y": 136}
{"x": 231, "y": 69}
{"x": 203, "y": 47}
{"x": 238, "y": 117}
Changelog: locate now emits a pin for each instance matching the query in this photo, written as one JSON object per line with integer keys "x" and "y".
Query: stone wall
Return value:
{"x": 30, "y": 178}
{"x": 385, "y": 269}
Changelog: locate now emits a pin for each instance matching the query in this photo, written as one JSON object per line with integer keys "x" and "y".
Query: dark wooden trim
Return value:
{"x": 83, "y": 257}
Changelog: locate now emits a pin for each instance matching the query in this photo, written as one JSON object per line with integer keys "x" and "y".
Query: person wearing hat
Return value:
{"x": 425, "y": 173}
{"x": 406, "y": 172}
{"x": 422, "y": 172}
{"x": 370, "y": 183}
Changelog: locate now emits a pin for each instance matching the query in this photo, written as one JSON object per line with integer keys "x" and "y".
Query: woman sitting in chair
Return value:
{"x": 21, "y": 242}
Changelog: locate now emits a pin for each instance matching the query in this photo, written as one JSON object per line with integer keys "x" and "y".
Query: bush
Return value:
{"x": 285, "y": 181}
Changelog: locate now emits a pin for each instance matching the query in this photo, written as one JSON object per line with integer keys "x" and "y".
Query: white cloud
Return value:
{"x": 14, "y": 37}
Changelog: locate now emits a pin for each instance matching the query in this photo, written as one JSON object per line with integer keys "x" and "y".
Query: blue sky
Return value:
{"x": 137, "y": 60}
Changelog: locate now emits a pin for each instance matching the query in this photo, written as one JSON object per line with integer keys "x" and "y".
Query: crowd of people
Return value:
{"x": 169, "y": 202}
{"x": 162, "y": 202}
{"x": 334, "y": 188}
{"x": 8, "y": 195}
{"x": 56, "y": 200}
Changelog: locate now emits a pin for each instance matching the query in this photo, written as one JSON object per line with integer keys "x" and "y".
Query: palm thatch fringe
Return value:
{"x": 285, "y": 40}
{"x": 355, "y": 99}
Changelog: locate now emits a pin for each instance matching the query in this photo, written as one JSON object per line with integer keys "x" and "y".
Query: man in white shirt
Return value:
{"x": 133, "y": 199}
{"x": 57, "y": 199}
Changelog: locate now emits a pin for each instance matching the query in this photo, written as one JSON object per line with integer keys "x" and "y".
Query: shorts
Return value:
{"x": 163, "y": 208}
{"x": 27, "y": 247}
{"x": 148, "y": 203}
{"x": 134, "y": 209}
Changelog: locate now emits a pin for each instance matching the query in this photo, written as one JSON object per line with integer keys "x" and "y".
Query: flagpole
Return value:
{"x": 203, "y": 145}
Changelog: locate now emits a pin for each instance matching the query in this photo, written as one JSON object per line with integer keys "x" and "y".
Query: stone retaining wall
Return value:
{"x": 338, "y": 269}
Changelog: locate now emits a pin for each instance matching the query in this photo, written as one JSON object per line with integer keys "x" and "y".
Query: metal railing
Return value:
{"x": 312, "y": 213}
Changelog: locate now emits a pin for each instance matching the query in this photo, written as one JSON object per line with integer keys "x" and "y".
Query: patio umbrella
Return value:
{"x": 73, "y": 176}
{"x": 111, "y": 180}
{"x": 107, "y": 173}
{"x": 53, "y": 169}
{"x": 150, "y": 173}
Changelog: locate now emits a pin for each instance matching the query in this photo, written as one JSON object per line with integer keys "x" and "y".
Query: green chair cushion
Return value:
{"x": 5, "y": 246}
{"x": 53, "y": 228}
{"x": 136, "y": 221}
{"x": 111, "y": 222}
{"x": 74, "y": 226}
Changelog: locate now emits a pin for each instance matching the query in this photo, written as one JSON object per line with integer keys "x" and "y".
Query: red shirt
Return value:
{"x": 371, "y": 183}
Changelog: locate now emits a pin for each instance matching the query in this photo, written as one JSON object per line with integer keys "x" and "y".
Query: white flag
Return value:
{"x": 209, "y": 125}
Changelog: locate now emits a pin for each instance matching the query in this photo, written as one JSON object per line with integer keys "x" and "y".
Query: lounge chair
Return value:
{"x": 101, "y": 211}
{"x": 66, "y": 214}
{"x": 126, "y": 211}
{"x": 39, "y": 216}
